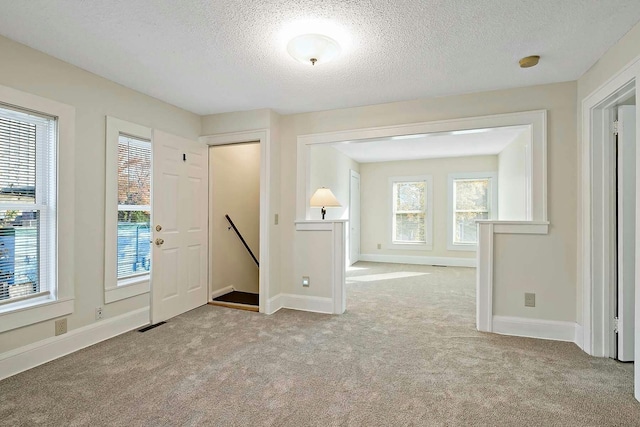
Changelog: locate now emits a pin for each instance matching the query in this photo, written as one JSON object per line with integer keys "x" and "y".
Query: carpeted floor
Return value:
{"x": 405, "y": 353}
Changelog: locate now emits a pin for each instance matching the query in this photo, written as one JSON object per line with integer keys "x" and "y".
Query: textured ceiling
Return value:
{"x": 433, "y": 145}
{"x": 227, "y": 55}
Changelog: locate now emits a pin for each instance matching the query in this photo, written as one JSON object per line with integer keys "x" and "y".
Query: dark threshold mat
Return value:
{"x": 239, "y": 298}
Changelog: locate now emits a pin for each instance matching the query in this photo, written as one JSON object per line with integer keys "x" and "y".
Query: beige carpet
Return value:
{"x": 405, "y": 353}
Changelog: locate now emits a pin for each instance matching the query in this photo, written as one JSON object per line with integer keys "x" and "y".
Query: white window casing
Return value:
{"x": 36, "y": 209}
{"x": 488, "y": 209}
{"x": 126, "y": 138}
{"x": 425, "y": 209}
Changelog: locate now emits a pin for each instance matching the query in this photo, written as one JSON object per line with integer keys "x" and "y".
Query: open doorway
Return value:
{"x": 415, "y": 199}
{"x": 624, "y": 223}
{"x": 234, "y": 218}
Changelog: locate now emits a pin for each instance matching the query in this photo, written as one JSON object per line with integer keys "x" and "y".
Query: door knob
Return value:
{"x": 159, "y": 242}
{"x": 158, "y": 228}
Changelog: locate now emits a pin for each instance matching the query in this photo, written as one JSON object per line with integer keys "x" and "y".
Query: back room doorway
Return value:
{"x": 234, "y": 209}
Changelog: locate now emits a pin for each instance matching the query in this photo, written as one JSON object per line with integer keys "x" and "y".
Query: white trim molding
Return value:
{"x": 419, "y": 260}
{"x": 263, "y": 137}
{"x": 596, "y": 264}
{"x": 535, "y": 328}
{"x": 32, "y": 355}
{"x": 535, "y": 120}
{"x": 304, "y": 303}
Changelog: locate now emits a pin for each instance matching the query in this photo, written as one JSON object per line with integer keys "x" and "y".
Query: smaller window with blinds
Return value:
{"x": 410, "y": 211}
{"x": 134, "y": 207}
{"x": 27, "y": 205}
{"x": 471, "y": 198}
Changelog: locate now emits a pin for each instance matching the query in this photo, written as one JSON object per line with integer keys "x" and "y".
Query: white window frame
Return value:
{"x": 428, "y": 226}
{"x": 59, "y": 300}
{"x": 118, "y": 289}
{"x": 493, "y": 204}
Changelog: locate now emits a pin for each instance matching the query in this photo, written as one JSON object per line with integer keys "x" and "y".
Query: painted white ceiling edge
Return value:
{"x": 221, "y": 56}
{"x": 475, "y": 142}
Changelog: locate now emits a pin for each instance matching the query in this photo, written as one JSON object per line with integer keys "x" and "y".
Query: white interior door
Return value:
{"x": 354, "y": 217}
{"x": 179, "y": 272}
{"x": 626, "y": 230}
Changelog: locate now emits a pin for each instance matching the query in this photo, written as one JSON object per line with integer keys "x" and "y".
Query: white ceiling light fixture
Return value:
{"x": 312, "y": 48}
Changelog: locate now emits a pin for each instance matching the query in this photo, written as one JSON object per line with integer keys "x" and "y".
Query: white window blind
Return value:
{"x": 134, "y": 207}
{"x": 471, "y": 202}
{"x": 27, "y": 205}
{"x": 409, "y": 212}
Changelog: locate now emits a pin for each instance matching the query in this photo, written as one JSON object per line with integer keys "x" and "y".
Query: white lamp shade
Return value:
{"x": 316, "y": 46}
{"x": 324, "y": 198}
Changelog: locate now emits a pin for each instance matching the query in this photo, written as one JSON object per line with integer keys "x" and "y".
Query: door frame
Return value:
{"x": 262, "y": 136}
{"x": 596, "y": 232}
{"x": 354, "y": 174}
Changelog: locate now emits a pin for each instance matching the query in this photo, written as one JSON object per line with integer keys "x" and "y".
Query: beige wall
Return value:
{"x": 330, "y": 168}
{"x": 94, "y": 98}
{"x": 626, "y": 50}
{"x": 376, "y": 202}
{"x": 512, "y": 180}
{"x": 555, "y": 283}
{"x": 234, "y": 190}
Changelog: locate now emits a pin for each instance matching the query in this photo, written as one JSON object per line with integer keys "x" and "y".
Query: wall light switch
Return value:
{"x": 529, "y": 300}
{"x": 275, "y": 220}
{"x": 379, "y": 245}
{"x": 305, "y": 281}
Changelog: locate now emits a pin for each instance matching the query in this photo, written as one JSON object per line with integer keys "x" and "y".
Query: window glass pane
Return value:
{"x": 410, "y": 196}
{"x": 19, "y": 253}
{"x": 465, "y": 229}
{"x": 17, "y": 158}
{"x": 410, "y": 227}
{"x": 134, "y": 235}
{"x": 134, "y": 171}
{"x": 472, "y": 194}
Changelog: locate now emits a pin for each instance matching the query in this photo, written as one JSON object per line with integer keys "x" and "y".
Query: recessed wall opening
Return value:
{"x": 234, "y": 224}
{"x": 415, "y": 199}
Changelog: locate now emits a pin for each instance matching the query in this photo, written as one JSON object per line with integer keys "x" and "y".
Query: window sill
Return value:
{"x": 128, "y": 288}
{"x": 29, "y": 312}
{"x": 410, "y": 246}
{"x": 462, "y": 247}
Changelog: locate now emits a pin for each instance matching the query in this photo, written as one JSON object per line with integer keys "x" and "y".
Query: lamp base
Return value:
{"x": 324, "y": 211}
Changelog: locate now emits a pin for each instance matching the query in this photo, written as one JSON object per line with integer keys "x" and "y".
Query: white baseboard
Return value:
{"x": 535, "y": 328}
{"x": 220, "y": 292}
{"x": 15, "y": 361}
{"x": 300, "y": 302}
{"x": 274, "y": 304}
{"x": 420, "y": 260}
{"x": 579, "y": 340}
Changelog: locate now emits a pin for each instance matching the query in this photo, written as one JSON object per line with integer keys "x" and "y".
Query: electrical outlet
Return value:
{"x": 98, "y": 313}
{"x": 379, "y": 245}
{"x": 529, "y": 300}
{"x": 305, "y": 281}
{"x": 61, "y": 326}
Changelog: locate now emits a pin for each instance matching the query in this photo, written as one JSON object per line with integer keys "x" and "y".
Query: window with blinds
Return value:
{"x": 471, "y": 202}
{"x": 409, "y": 212}
{"x": 134, "y": 207}
{"x": 27, "y": 205}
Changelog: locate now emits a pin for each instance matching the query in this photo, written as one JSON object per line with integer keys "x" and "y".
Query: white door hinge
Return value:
{"x": 616, "y": 325}
{"x": 617, "y": 127}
